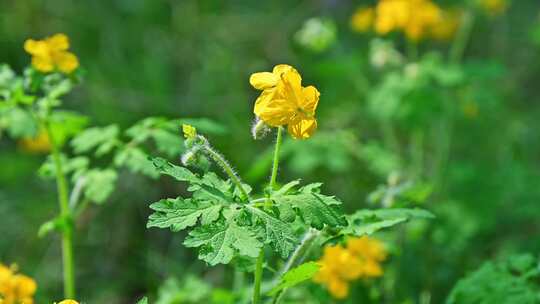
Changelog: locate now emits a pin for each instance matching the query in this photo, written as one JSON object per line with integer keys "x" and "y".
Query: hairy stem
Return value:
{"x": 220, "y": 160}
{"x": 297, "y": 257}
{"x": 65, "y": 212}
{"x": 275, "y": 164}
{"x": 258, "y": 278}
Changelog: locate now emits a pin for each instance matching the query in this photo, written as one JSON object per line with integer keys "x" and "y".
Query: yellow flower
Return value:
{"x": 284, "y": 101}
{"x": 340, "y": 265}
{"x": 16, "y": 288}
{"x": 190, "y": 131}
{"x": 362, "y": 19}
{"x": 413, "y": 17}
{"x": 68, "y": 302}
{"x": 38, "y": 144}
{"x": 494, "y": 7}
{"x": 52, "y": 53}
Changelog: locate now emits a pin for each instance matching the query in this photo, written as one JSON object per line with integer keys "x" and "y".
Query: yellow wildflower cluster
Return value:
{"x": 38, "y": 144}
{"x": 284, "y": 101}
{"x": 52, "y": 53}
{"x": 416, "y": 18}
{"x": 15, "y": 288}
{"x": 360, "y": 258}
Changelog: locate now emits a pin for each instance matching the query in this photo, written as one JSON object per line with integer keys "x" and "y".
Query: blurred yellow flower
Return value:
{"x": 284, "y": 101}
{"x": 38, "y": 144}
{"x": 360, "y": 258}
{"x": 52, "y": 53}
{"x": 16, "y": 288}
{"x": 448, "y": 25}
{"x": 362, "y": 19}
{"x": 415, "y": 18}
{"x": 189, "y": 131}
{"x": 494, "y": 7}
{"x": 68, "y": 302}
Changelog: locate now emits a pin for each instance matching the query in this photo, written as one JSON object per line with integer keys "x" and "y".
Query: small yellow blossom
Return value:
{"x": 68, "y": 302}
{"x": 189, "y": 131}
{"x": 16, "y": 288}
{"x": 38, "y": 144}
{"x": 362, "y": 19}
{"x": 494, "y": 7}
{"x": 284, "y": 101}
{"x": 52, "y": 53}
{"x": 339, "y": 265}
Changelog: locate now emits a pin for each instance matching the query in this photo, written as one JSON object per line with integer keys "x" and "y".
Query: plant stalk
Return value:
{"x": 65, "y": 212}
{"x": 297, "y": 257}
{"x": 258, "y": 278}
{"x": 220, "y": 160}
{"x": 275, "y": 164}
{"x": 260, "y": 259}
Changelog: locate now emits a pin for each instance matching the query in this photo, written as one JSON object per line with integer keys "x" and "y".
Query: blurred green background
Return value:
{"x": 464, "y": 135}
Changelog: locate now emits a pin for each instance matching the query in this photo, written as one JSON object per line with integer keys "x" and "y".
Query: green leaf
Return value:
{"x": 314, "y": 208}
{"x": 65, "y": 124}
{"x": 179, "y": 173}
{"x": 143, "y": 301}
{"x": 219, "y": 241}
{"x": 178, "y": 214}
{"x": 103, "y": 139}
{"x": 500, "y": 282}
{"x": 100, "y": 184}
{"x": 209, "y": 187}
{"x": 75, "y": 165}
{"x": 19, "y": 123}
{"x": 278, "y": 233}
{"x": 296, "y": 276}
{"x": 367, "y": 222}
{"x": 136, "y": 160}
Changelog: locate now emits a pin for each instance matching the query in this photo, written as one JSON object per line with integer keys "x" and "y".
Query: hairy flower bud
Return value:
{"x": 259, "y": 129}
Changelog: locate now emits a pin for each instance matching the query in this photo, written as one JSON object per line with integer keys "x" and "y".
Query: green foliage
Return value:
{"x": 226, "y": 226}
{"x": 144, "y": 300}
{"x": 99, "y": 184}
{"x": 511, "y": 281}
{"x": 364, "y": 222}
{"x": 296, "y": 276}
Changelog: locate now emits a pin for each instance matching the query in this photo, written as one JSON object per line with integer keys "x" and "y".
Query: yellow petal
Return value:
{"x": 67, "y": 62}
{"x": 58, "y": 42}
{"x": 263, "y": 80}
{"x": 26, "y": 286}
{"x": 36, "y": 47}
{"x": 282, "y": 68}
{"x": 189, "y": 131}
{"x": 339, "y": 288}
{"x": 291, "y": 87}
{"x": 42, "y": 63}
{"x": 302, "y": 128}
{"x": 311, "y": 99}
{"x": 69, "y": 302}
{"x": 275, "y": 112}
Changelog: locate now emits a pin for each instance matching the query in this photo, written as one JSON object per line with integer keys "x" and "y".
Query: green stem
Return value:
{"x": 275, "y": 164}
{"x": 296, "y": 258}
{"x": 260, "y": 259}
{"x": 462, "y": 37}
{"x": 220, "y": 160}
{"x": 258, "y": 278}
{"x": 65, "y": 212}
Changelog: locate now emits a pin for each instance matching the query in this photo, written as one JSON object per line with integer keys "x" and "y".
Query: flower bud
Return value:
{"x": 259, "y": 129}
